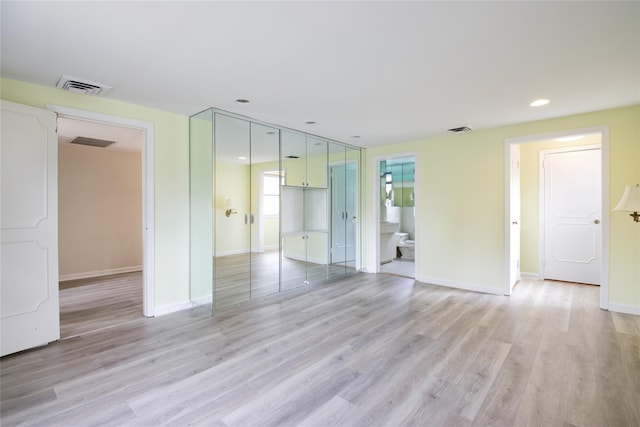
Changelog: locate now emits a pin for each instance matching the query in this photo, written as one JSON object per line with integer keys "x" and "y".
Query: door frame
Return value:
{"x": 541, "y": 195}
{"x": 148, "y": 199}
{"x": 375, "y": 197}
{"x": 604, "y": 159}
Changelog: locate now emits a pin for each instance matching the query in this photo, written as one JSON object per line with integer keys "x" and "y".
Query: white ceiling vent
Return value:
{"x": 460, "y": 129}
{"x": 86, "y": 87}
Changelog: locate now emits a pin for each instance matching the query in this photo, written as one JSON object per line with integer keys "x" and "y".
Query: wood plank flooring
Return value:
{"x": 99, "y": 302}
{"x": 243, "y": 277}
{"x": 372, "y": 350}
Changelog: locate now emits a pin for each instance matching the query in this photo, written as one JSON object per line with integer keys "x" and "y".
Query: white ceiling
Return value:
{"x": 386, "y": 71}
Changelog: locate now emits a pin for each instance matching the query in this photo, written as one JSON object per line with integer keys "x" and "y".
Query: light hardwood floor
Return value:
{"x": 100, "y": 302}
{"x": 373, "y": 350}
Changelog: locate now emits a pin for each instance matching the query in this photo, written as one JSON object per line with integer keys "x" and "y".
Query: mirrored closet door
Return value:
{"x": 272, "y": 209}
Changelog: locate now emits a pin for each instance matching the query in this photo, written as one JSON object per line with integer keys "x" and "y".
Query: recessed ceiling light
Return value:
{"x": 355, "y": 136}
{"x": 242, "y": 158}
{"x": 271, "y": 132}
{"x": 539, "y": 102}
{"x": 569, "y": 138}
{"x": 310, "y": 123}
{"x": 242, "y": 101}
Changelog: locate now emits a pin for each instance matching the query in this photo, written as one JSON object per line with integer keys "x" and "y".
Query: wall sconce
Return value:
{"x": 228, "y": 205}
{"x": 630, "y": 202}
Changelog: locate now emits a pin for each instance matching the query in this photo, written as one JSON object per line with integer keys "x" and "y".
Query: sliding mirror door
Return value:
{"x": 232, "y": 210}
{"x": 271, "y": 209}
{"x": 344, "y": 165}
{"x": 352, "y": 209}
{"x": 293, "y": 239}
{"x": 266, "y": 179}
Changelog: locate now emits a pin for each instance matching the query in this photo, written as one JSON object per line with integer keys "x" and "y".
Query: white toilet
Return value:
{"x": 405, "y": 246}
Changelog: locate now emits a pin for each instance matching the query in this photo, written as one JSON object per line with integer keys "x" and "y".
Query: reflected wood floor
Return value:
{"x": 372, "y": 350}
{"x": 240, "y": 278}
{"x": 100, "y": 302}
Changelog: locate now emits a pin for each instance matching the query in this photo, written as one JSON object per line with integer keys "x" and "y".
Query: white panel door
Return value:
{"x": 514, "y": 219}
{"x": 29, "y": 223}
{"x": 572, "y": 213}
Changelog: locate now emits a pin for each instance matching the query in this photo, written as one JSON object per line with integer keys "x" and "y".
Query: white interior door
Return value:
{"x": 29, "y": 223}
{"x": 514, "y": 219}
{"x": 572, "y": 214}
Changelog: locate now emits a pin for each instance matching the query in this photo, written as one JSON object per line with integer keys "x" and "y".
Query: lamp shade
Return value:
{"x": 630, "y": 201}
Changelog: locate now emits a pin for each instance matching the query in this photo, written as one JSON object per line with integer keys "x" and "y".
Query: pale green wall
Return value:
{"x": 171, "y": 133}
{"x": 530, "y": 196}
{"x": 232, "y": 234}
{"x": 460, "y": 191}
{"x": 271, "y": 225}
{"x": 201, "y": 209}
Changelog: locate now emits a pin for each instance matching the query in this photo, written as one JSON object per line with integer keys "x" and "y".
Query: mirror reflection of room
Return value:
{"x": 397, "y": 216}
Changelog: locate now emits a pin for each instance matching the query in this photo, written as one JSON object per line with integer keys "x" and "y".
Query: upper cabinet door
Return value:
{"x": 294, "y": 158}
{"x": 316, "y": 162}
{"x": 29, "y": 222}
{"x": 304, "y": 160}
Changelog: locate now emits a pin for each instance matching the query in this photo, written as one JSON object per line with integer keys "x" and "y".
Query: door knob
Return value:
{"x": 597, "y": 221}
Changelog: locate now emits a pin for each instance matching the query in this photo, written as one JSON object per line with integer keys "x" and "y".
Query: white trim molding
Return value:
{"x": 467, "y": 286}
{"x": 172, "y": 308}
{"x": 148, "y": 193}
{"x": 100, "y": 273}
{"x": 530, "y": 276}
{"x": 624, "y": 309}
{"x": 604, "y": 147}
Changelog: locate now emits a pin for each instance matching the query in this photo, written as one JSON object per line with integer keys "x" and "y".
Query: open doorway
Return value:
{"x": 396, "y": 204}
{"x": 529, "y": 204}
{"x": 100, "y": 204}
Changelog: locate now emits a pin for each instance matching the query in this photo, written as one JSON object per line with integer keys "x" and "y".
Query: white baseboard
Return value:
{"x": 309, "y": 259}
{"x": 461, "y": 285}
{"x": 172, "y": 308}
{"x": 234, "y": 252}
{"x": 530, "y": 276}
{"x": 625, "y": 309}
{"x": 109, "y": 272}
{"x": 203, "y": 300}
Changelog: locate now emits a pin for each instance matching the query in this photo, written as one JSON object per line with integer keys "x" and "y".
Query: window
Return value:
{"x": 271, "y": 192}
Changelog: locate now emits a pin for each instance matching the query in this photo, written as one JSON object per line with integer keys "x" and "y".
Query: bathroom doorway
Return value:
{"x": 397, "y": 213}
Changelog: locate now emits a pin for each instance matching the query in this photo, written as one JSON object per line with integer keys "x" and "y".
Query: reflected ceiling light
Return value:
{"x": 569, "y": 138}
{"x": 242, "y": 101}
{"x": 630, "y": 202}
{"x": 539, "y": 102}
{"x": 242, "y": 158}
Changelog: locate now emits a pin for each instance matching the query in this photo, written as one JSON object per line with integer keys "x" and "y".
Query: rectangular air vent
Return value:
{"x": 460, "y": 129}
{"x": 102, "y": 143}
{"x": 75, "y": 85}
